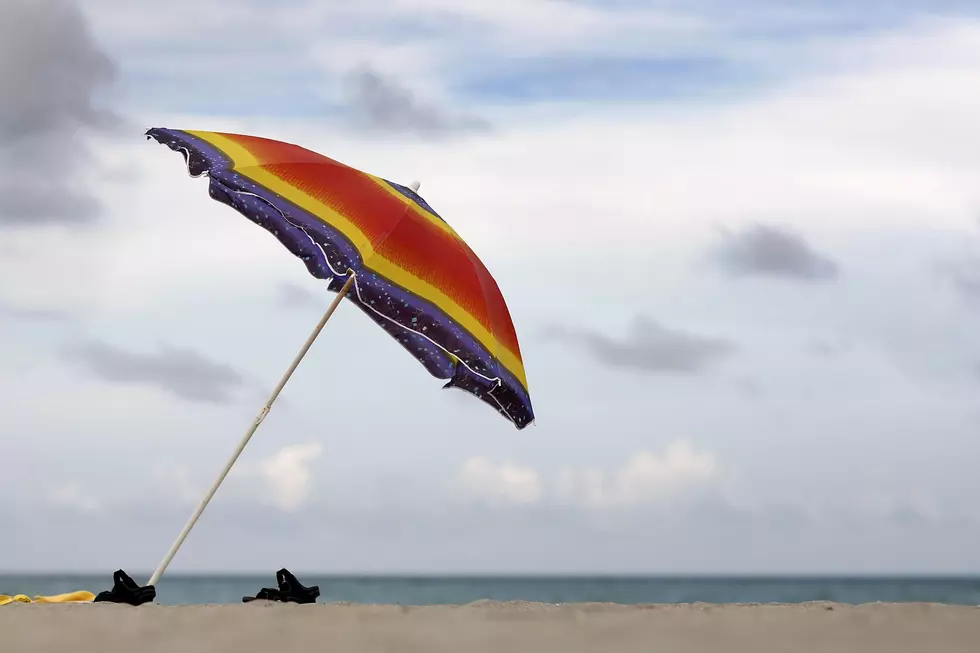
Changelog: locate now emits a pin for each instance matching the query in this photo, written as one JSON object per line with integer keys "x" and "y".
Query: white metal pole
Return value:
{"x": 154, "y": 579}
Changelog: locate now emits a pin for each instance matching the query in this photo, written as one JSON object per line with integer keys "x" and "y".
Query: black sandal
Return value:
{"x": 125, "y": 590}
{"x": 290, "y": 590}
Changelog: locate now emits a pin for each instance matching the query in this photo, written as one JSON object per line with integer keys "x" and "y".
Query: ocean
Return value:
{"x": 179, "y": 589}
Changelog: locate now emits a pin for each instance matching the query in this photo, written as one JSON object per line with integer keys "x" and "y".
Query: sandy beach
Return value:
{"x": 493, "y": 627}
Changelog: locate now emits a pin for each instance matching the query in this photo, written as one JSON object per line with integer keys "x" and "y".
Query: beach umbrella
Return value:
{"x": 380, "y": 245}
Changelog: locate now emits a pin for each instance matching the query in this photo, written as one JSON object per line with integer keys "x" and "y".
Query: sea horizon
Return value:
{"x": 414, "y": 588}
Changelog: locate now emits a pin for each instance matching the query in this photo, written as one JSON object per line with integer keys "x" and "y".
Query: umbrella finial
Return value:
{"x": 415, "y": 185}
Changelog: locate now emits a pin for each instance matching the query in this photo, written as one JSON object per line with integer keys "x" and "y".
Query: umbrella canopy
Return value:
{"x": 412, "y": 273}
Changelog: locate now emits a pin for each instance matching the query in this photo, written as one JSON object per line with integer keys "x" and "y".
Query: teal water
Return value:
{"x": 180, "y": 590}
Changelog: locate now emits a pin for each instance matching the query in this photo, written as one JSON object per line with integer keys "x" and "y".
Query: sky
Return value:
{"x": 741, "y": 248}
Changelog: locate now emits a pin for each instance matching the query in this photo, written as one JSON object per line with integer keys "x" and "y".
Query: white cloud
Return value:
{"x": 831, "y": 156}
{"x": 499, "y": 483}
{"x": 879, "y": 147}
{"x": 679, "y": 473}
{"x": 287, "y": 475}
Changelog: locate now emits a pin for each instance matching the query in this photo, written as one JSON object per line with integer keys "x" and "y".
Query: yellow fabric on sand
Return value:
{"x": 16, "y": 598}
{"x": 80, "y": 596}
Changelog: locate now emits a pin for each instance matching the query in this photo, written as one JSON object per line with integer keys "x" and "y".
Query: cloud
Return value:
{"x": 748, "y": 387}
{"x": 771, "y": 250}
{"x": 680, "y": 473}
{"x": 828, "y": 348}
{"x": 964, "y": 274}
{"x": 181, "y": 372}
{"x": 381, "y": 104}
{"x": 293, "y": 295}
{"x": 51, "y": 72}
{"x": 499, "y": 483}
{"x": 650, "y": 347}
{"x": 287, "y": 476}
{"x": 32, "y": 314}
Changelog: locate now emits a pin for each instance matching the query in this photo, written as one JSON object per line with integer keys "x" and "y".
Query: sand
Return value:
{"x": 492, "y": 627}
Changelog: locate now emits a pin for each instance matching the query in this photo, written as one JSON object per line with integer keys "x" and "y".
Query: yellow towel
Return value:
{"x": 16, "y": 598}
{"x": 80, "y": 596}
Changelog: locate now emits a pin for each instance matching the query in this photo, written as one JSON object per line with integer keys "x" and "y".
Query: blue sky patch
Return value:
{"x": 616, "y": 78}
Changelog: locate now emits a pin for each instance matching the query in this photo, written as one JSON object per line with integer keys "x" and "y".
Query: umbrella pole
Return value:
{"x": 248, "y": 435}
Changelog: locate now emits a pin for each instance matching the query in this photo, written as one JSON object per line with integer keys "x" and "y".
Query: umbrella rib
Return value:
{"x": 495, "y": 379}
